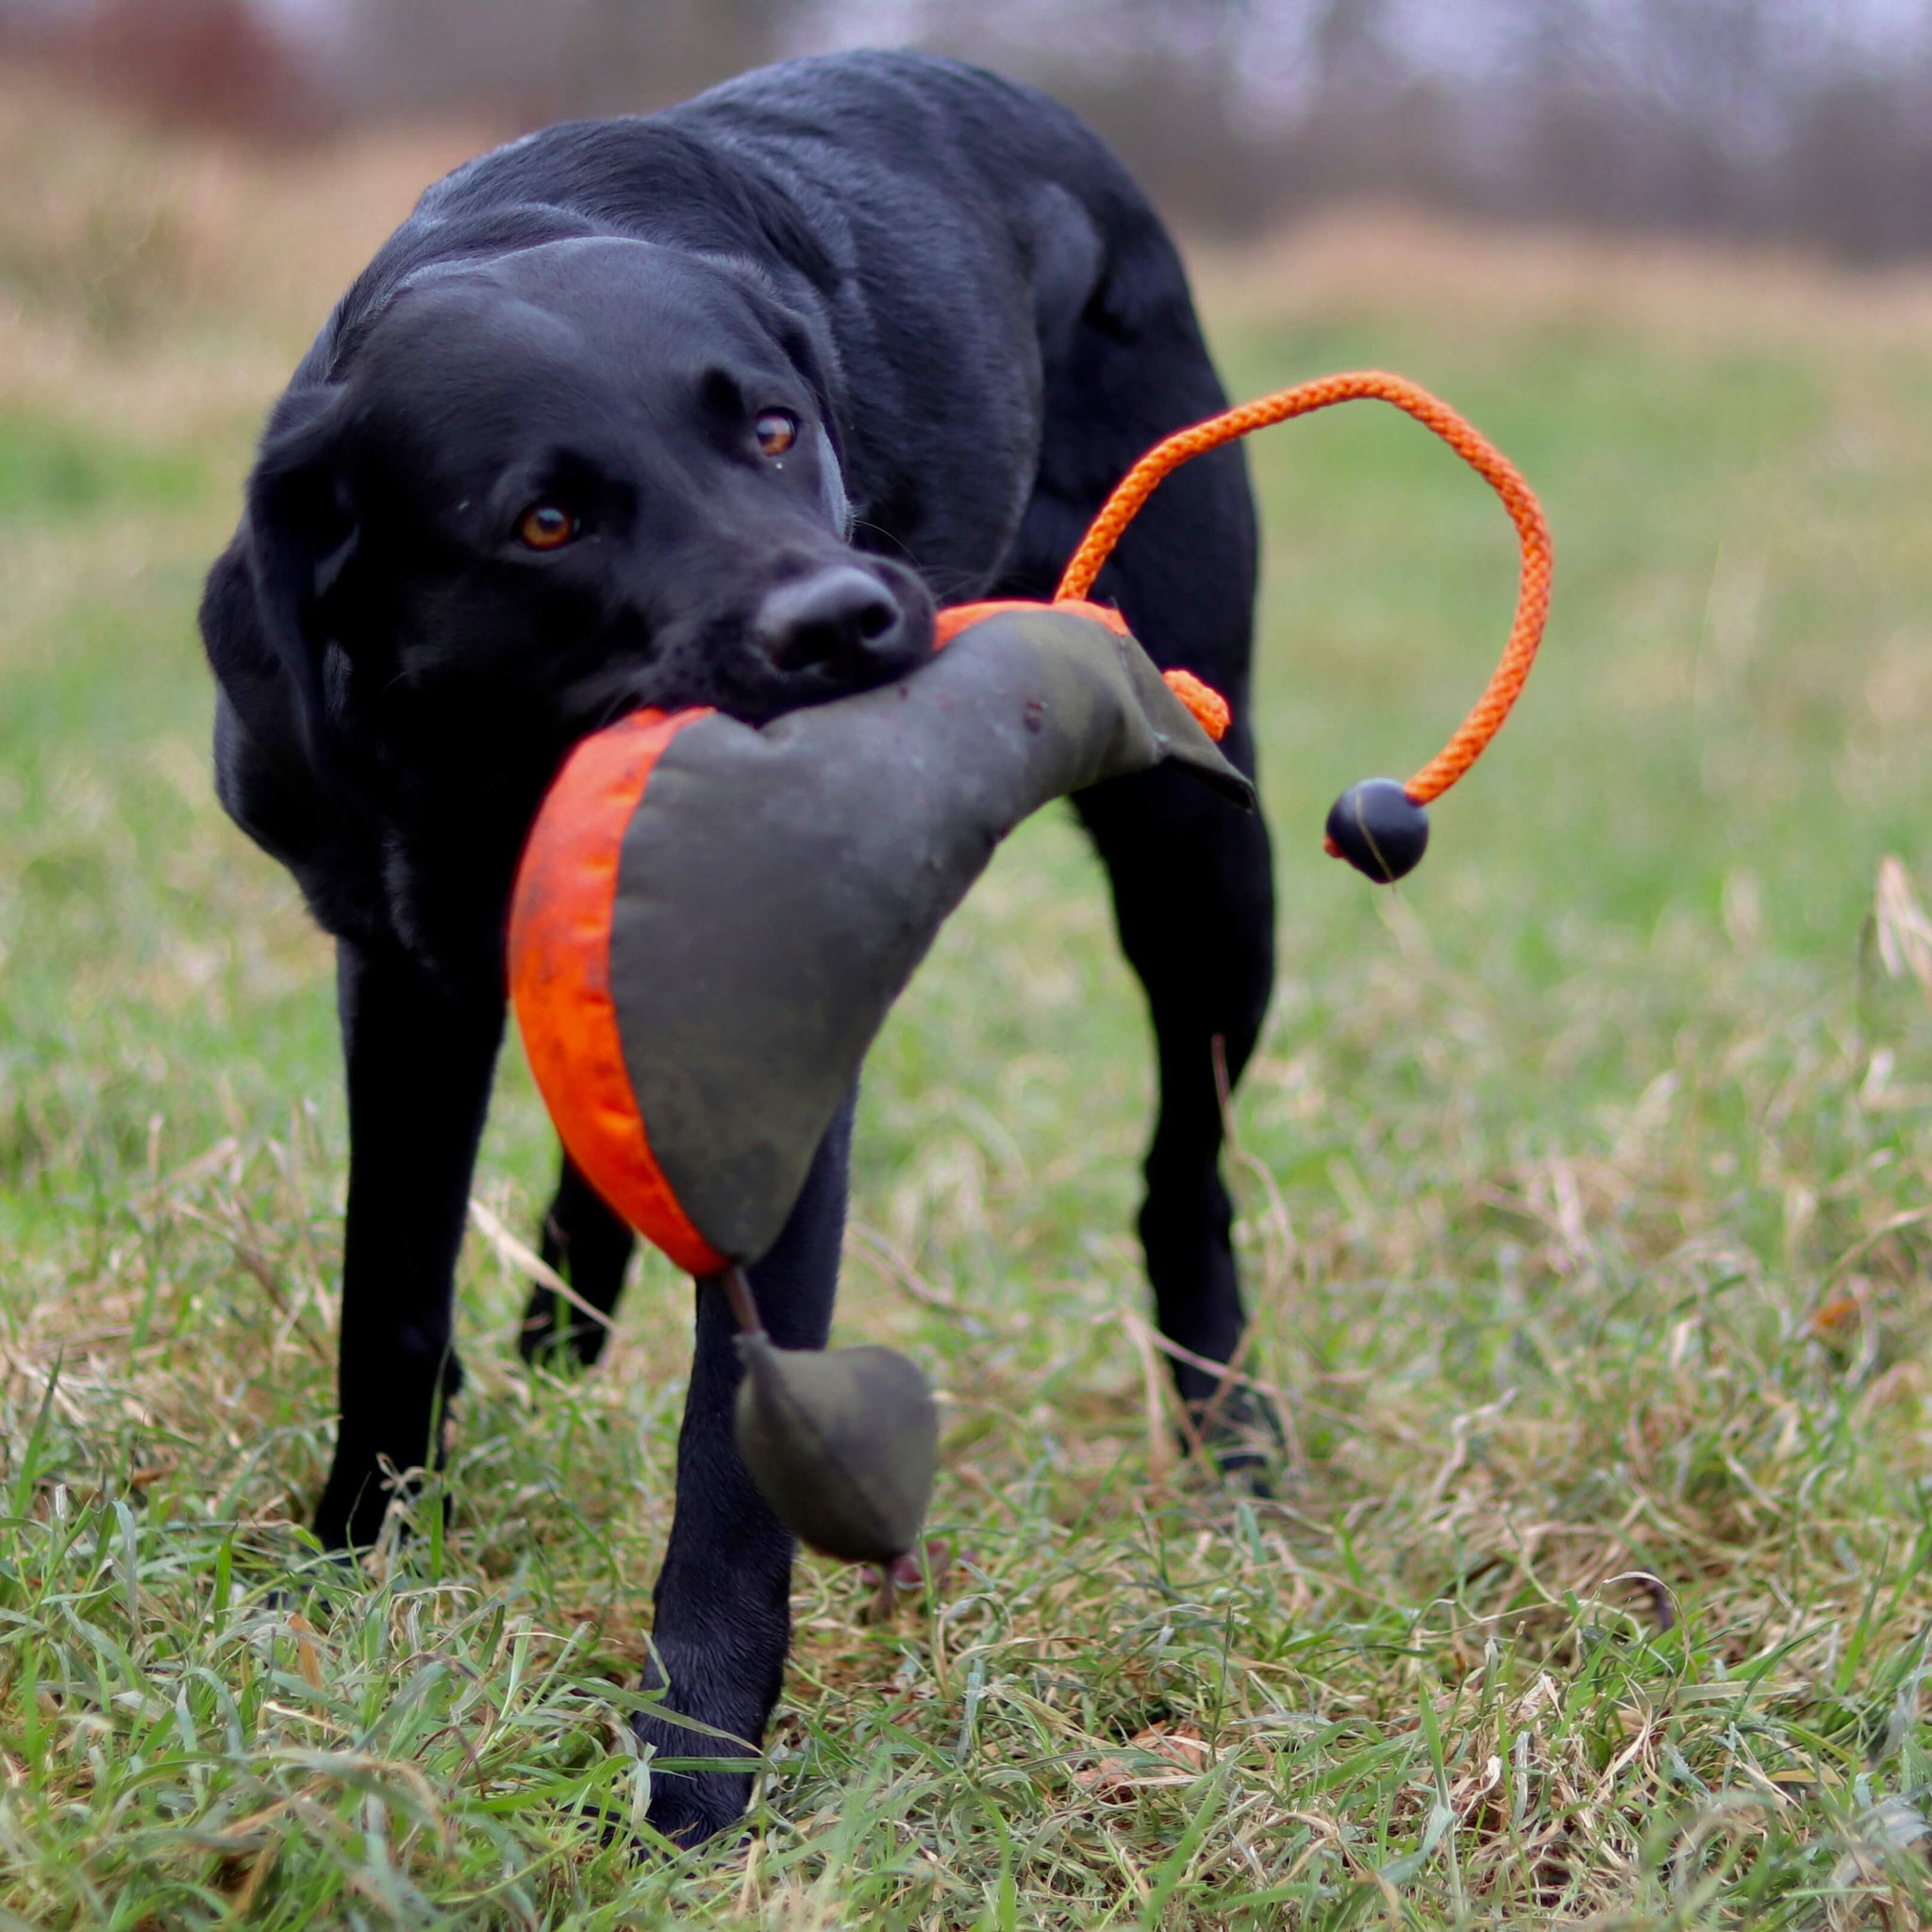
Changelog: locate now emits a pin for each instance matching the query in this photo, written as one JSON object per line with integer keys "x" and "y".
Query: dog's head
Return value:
{"x": 553, "y": 487}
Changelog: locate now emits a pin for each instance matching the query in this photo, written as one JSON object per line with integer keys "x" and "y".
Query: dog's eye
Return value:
{"x": 546, "y": 527}
{"x": 777, "y": 430}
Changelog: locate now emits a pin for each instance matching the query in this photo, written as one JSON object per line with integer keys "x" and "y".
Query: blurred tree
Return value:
{"x": 566, "y": 57}
{"x": 213, "y": 62}
{"x": 1161, "y": 80}
{"x": 1857, "y": 172}
{"x": 634, "y": 55}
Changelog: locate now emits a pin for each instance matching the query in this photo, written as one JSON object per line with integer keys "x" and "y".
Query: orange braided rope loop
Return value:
{"x": 1209, "y": 708}
{"x": 1533, "y": 596}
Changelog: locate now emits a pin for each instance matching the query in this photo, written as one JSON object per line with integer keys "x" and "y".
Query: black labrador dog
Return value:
{"x": 708, "y": 408}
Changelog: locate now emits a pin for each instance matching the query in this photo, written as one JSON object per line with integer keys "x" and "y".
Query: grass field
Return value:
{"x": 1583, "y": 1187}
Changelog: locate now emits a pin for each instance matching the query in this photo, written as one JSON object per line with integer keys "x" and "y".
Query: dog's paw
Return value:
{"x": 351, "y": 1511}
{"x": 690, "y": 1807}
{"x": 556, "y": 1336}
{"x": 380, "y": 1511}
{"x": 1242, "y": 1437}
{"x": 611, "y": 1827}
{"x": 1255, "y": 1478}
{"x": 698, "y": 1809}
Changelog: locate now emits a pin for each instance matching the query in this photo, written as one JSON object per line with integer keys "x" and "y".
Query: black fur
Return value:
{"x": 978, "y": 323}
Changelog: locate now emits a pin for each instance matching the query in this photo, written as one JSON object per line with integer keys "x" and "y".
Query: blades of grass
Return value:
{"x": 35, "y": 1445}
{"x": 1168, "y": 1874}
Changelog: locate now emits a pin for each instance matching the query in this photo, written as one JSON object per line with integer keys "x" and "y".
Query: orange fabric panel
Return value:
{"x": 1208, "y": 707}
{"x": 559, "y": 973}
{"x": 949, "y": 622}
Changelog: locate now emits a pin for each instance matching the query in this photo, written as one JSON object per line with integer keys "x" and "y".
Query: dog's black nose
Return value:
{"x": 839, "y": 617}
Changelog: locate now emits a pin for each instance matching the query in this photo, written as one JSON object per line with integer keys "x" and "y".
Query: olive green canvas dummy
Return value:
{"x": 710, "y": 923}
{"x": 712, "y": 920}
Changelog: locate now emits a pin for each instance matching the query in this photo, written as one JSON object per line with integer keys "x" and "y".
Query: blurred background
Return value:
{"x": 1617, "y": 1116}
{"x": 1788, "y": 118}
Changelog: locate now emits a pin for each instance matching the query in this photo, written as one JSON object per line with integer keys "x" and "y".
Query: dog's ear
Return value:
{"x": 811, "y": 351}
{"x": 832, "y": 486}
{"x": 301, "y": 530}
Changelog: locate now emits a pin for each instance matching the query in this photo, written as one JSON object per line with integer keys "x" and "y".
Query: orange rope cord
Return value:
{"x": 1208, "y": 707}
{"x": 1533, "y": 597}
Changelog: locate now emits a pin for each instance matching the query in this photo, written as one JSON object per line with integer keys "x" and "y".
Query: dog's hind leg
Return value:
{"x": 1194, "y": 905}
{"x": 1194, "y": 897}
{"x": 1191, "y": 876}
{"x": 590, "y": 1245}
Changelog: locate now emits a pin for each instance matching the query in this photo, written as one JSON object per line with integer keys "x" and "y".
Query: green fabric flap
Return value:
{"x": 778, "y": 886}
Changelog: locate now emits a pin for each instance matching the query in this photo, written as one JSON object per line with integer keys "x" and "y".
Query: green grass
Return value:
{"x": 1548, "y": 1166}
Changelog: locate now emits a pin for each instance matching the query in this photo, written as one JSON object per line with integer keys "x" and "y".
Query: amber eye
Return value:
{"x": 546, "y": 527}
{"x": 777, "y": 430}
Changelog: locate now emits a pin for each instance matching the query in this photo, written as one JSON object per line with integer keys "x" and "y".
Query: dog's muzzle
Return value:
{"x": 839, "y": 619}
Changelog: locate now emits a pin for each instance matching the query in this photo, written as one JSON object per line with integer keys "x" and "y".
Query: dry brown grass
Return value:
{"x": 1396, "y": 265}
{"x": 158, "y": 283}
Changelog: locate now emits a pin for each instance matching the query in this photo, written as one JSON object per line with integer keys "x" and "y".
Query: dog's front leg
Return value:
{"x": 420, "y": 1054}
{"x": 723, "y": 1617}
